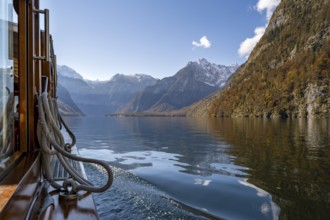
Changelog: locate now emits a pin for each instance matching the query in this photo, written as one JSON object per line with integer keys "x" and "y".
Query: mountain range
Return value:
{"x": 287, "y": 73}
{"x": 101, "y": 97}
{"x": 142, "y": 93}
{"x": 190, "y": 84}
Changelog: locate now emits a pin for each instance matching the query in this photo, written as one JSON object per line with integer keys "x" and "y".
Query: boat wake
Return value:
{"x": 130, "y": 197}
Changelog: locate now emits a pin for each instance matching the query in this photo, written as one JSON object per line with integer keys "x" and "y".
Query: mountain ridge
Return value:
{"x": 123, "y": 93}
{"x": 101, "y": 97}
{"x": 191, "y": 83}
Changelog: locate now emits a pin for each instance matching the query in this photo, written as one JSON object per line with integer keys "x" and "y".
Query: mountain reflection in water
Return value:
{"x": 225, "y": 168}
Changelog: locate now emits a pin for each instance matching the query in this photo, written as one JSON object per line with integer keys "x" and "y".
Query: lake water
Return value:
{"x": 179, "y": 168}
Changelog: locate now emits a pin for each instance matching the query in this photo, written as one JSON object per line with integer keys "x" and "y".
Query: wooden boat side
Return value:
{"x": 20, "y": 197}
{"x": 22, "y": 180}
{"x": 81, "y": 208}
{"x": 20, "y": 186}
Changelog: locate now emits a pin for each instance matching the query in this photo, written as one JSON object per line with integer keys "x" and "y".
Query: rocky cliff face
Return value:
{"x": 287, "y": 73}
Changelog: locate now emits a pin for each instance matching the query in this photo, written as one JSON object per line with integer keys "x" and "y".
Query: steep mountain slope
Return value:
{"x": 76, "y": 86}
{"x": 188, "y": 85}
{"x": 287, "y": 73}
{"x": 66, "y": 104}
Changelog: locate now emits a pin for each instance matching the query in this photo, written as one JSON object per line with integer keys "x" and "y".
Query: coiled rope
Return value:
{"x": 52, "y": 143}
{"x": 7, "y": 127}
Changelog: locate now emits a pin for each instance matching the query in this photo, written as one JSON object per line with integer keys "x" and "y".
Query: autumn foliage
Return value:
{"x": 288, "y": 72}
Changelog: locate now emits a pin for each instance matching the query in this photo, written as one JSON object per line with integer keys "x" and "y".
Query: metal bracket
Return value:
{"x": 47, "y": 35}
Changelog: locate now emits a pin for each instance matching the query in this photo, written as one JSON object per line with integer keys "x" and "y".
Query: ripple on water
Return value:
{"x": 132, "y": 198}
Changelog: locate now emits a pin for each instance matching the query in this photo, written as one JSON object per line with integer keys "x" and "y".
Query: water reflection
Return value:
{"x": 290, "y": 159}
{"x": 185, "y": 159}
{"x": 230, "y": 168}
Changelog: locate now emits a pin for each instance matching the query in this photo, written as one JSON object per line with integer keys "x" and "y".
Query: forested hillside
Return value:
{"x": 287, "y": 73}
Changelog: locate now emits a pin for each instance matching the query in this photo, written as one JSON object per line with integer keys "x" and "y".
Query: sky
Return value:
{"x": 100, "y": 38}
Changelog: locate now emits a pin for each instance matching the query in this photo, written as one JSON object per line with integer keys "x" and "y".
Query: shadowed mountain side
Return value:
{"x": 101, "y": 97}
{"x": 121, "y": 89}
{"x": 287, "y": 73}
{"x": 169, "y": 94}
{"x": 66, "y": 104}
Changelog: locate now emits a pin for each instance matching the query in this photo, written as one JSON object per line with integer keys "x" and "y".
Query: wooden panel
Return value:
{"x": 54, "y": 83}
{"x": 31, "y": 75}
{"x": 22, "y": 72}
{"x": 16, "y": 54}
{"x": 7, "y": 190}
{"x": 45, "y": 66}
{"x": 37, "y": 48}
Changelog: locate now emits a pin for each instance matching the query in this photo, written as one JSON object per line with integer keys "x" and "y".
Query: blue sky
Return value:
{"x": 157, "y": 37}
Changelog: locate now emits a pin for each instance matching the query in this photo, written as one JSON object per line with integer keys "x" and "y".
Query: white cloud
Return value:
{"x": 248, "y": 44}
{"x": 203, "y": 42}
{"x": 268, "y": 5}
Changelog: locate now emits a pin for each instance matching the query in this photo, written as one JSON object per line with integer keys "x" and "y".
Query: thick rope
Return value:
{"x": 56, "y": 112}
{"x": 68, "y": 130}
{"x": 7, "y": 127}
{"x": 72, "y": 136}
{"x": 52, "y": 143}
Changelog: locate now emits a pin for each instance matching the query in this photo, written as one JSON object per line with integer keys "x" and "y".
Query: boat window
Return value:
{"x": 8, "y": 59}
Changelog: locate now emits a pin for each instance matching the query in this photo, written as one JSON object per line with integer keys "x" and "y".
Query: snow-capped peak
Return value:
{"x": 136, "y": 77}
{"x": 68, "y": 72}
{"x": 203, "y": 62}
{"x": 213, "y": 74}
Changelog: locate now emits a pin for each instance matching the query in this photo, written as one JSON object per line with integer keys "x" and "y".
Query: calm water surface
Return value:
{"x": 178, "y": 168}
